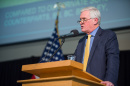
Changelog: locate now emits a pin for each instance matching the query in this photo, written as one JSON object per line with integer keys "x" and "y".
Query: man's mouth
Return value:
{"x": 81, "y": 27}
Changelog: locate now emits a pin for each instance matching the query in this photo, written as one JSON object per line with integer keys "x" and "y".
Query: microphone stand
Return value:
{"x": 63, "y": 40}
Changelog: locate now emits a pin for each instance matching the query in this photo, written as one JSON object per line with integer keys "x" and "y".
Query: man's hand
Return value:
{"x": 107, "y": 83}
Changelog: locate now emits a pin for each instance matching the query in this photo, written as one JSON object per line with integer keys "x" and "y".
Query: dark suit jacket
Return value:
{"x": 103, "y": 61}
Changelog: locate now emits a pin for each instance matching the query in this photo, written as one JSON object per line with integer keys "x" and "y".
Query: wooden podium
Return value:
{"x": 59, "y": 73}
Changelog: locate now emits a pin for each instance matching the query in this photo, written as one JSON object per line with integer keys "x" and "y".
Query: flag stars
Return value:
{"x": 53, "y": 57}
{"x": 58, "y": 53}
{"x": 52, "y": 49}
{"x": 56, "y": 58}
{"x": 56, "y": 46}
{"x": 47, "y": 48}
{"x": 43, "y": 59}
{"x": 46, "y": 59}
{"x": 45, "y": 53}
{"x": 50, "y": 54}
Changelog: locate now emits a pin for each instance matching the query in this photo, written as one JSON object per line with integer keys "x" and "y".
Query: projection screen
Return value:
{"x": 29, "y": 20}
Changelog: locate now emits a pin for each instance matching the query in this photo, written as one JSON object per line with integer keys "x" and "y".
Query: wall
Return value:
{"x": 36, "y": 48}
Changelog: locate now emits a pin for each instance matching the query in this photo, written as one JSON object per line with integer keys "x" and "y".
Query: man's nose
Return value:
{"x": 81, "y": 22}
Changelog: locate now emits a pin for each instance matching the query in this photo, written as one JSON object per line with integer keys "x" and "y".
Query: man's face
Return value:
{"x": 86, "y": 23}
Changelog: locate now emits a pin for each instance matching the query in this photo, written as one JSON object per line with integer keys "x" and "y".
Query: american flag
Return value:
{"x": 52, "y": 47}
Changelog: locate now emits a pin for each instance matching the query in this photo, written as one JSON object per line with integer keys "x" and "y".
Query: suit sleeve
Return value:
{"x": 112, "y": 54}
{"x": 75, "y": 53}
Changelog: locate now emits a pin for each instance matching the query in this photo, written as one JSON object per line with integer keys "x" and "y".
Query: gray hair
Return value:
{"x": 94, "y": 13}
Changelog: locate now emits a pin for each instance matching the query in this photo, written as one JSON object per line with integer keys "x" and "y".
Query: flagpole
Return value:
{"x": 59, "y": 5}
{"x": 57, "y": 21}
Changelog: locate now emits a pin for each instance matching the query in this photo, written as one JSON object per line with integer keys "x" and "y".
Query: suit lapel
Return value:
{"x": 82, "y": 48}
{"x": 95, "y": 43}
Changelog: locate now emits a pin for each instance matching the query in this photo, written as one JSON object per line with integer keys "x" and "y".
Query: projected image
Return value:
{"x": 29, "y": 20}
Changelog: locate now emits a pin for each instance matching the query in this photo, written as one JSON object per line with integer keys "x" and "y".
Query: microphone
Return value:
{"x": 73, "y": 33}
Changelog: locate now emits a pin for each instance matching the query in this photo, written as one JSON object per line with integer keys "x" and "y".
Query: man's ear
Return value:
{"x": 95, "y": 20}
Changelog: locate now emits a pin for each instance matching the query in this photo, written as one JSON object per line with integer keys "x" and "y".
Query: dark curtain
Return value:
{"x": 124, "y": 70}
{"x": 10, "y": 71}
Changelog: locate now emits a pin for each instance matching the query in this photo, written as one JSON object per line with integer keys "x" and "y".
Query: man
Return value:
{"x": 103, "y": 60}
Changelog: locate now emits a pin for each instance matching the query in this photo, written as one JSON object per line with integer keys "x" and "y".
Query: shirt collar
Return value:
{"x": 94, "y": 32}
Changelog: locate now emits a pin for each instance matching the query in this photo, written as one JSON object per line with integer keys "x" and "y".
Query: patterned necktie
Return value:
{"x": 86, "y": 56}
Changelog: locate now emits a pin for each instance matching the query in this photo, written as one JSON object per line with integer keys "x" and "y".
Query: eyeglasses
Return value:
{"x": 83, "y": 20}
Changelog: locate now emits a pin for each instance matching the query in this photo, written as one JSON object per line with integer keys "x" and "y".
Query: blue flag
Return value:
{"x": 52, "y": 47}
